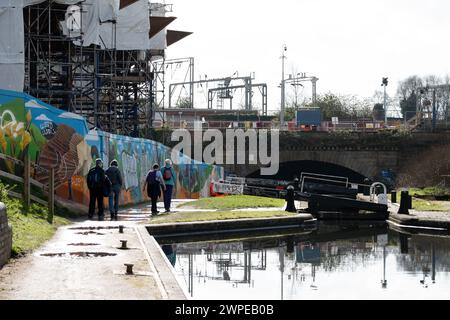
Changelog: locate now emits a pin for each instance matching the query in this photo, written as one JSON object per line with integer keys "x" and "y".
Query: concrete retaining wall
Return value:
{"x": 227, "y": 226}
{"x": 5, "y": 236}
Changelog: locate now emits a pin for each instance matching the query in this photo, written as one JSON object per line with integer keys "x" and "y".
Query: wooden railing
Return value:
{"x": 47, "y": 189}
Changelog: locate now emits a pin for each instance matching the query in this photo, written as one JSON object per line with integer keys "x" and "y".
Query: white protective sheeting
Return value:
{"x": 12, "y": 45}
{"x": 90, "y": 23}
{"x": 12, "y": 42}
{"x": 12, "y": 76}
{"x": 11, "y": 32}
{"x": 132, "y": 25}
{"x": 97, "y": 23}
{"x": 132, "y": 31}
{"x": 71, "y": 26}
{"x": 159, "y": 41}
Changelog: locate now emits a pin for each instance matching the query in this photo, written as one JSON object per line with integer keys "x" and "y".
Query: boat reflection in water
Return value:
{"x": 336, "y": 261}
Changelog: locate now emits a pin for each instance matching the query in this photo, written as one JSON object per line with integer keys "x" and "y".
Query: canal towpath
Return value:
{"x": 85, "y": 261}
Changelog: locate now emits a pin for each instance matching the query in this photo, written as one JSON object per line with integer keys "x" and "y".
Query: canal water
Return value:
{"x": 335, "y": 261}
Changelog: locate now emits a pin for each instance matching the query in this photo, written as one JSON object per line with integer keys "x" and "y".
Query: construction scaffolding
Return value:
{"x": 182, "y": 66}
{"x": 111, "y": 88}
{"x": 432, "y": 109}
{"x": 224, "y": 90}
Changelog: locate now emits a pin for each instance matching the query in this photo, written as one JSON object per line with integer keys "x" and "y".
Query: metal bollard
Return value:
{"x": 129, "y": 268}
{"x": 290, "y": 199}
{"x": 121, "y": 229}
{"x": 410, "y": 206}
{"x": 405, "y": 201}
{"x": 124, "y": 244}
{"x": 394, "y": 196}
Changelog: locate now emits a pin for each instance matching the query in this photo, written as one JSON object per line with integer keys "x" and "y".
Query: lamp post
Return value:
{"x": 283, "y": 58}
{"x": 281, "y": 252}
{"x": 384, "y": 281}
{"x": 383, "y": 240}
{"x": 385, "y": 84}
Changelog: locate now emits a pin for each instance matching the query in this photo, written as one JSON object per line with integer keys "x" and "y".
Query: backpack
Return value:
{"x": 107, "y": 187}
{"x": 152, "y": 183}
{"x": 167, "y": 174}
{"x": 151, "y": 177}
{"x": 93, "y": 178}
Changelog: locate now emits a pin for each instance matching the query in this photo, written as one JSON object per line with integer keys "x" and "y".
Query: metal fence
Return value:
{"x": 353, "y": 126}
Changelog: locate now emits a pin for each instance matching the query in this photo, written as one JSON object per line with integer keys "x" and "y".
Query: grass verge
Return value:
{"x": 431, "y": 191}
{"x": 235, "y": 202}
{"x": 432, "y": 206}
{"x": 216, "y": 215}
{"x": 30, "y": 227}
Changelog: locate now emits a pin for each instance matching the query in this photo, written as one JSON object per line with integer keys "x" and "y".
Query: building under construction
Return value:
{"x": 93, "y": 58}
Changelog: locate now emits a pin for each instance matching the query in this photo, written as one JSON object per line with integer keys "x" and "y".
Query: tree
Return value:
{"x": 378, "y": 112}
{"x": 407, "y": 92}
{"x": 184, "y": 103}
{"x": 409, "y": 106}
{"x": 289, "y": 113}
{"x": 295, "y": 91}
{"x": 331, "y": 106}
{"x": 378, "y": 99}
{"x": 357, "y": 107}
{"x": 413, "y": 92}
{"x": 409, "y": 86}
{"x": 346, "y": 107}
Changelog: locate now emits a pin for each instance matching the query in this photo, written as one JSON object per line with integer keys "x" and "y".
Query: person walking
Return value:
{"x": 170, "y": 179}
{"x": 115, "y": 178}
{"x": 153, "y": 184}
{"x": 97, "y": 184}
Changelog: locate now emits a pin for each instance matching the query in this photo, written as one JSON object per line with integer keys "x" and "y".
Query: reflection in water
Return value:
{"x": 170, "y": 253}
{"x": 332, "y": 263}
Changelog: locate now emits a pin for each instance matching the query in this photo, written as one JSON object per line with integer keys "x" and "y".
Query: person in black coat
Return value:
{"x": 115, "y": 177}
{"x": 153, "y": 183}
{"x": 97, "y": 182}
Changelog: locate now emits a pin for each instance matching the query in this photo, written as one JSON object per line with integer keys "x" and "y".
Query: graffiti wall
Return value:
{"x": 57, "y": 139}
{"x": 16, "y": 131}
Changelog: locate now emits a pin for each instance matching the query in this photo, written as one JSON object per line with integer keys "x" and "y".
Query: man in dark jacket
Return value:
{"x": 115, "y": 177}
{"x": 96, "y": 181}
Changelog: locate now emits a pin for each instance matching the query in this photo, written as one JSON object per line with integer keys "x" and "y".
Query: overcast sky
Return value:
{"x": 348, "y": 44}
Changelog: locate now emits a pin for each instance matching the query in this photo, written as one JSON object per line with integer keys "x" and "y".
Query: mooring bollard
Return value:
{"x": 410, "y": 206}
{"x": 129, "y": 268}
{"x": 394, "y": 196}
{"x": 124, "y": 244}
{"x": 121, "y": 229}
{"x": 405, "y": 201}
{"x": 404, "y": 244}
{"x": 290, "y": 246}
{"x": 290, "y": 199}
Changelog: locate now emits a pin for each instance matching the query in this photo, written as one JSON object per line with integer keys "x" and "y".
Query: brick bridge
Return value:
{"x": 363, "y": 154}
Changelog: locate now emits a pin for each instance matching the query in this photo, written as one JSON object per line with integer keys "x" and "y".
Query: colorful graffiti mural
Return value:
{"x": 61, "y": 140}
{"x": 16, "y": 131}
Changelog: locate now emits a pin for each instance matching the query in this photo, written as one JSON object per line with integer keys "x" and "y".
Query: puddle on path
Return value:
{"x": 94, "y": 228}
{"x": 80, "y": 254}
{"x": 90, "y": 232}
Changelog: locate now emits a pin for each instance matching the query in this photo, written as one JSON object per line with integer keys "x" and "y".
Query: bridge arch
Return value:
{"x": 365, "y": 162}
{"x": 291, "y": 169}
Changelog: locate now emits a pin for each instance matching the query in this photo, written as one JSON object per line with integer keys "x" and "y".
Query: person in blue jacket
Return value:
{"x": 170, "y": 180}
